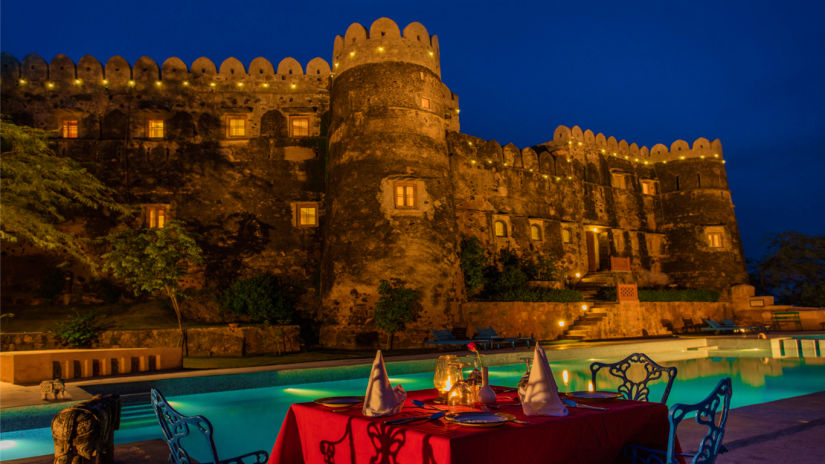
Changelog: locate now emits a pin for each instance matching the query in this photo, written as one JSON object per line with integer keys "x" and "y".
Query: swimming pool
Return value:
{"x": 249, "y": 419}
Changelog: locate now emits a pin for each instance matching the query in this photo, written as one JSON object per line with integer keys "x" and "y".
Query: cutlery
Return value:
{"x": 407, "y": 420}
{"x": 573, "y": 404}
{"x": 424, "y": 405}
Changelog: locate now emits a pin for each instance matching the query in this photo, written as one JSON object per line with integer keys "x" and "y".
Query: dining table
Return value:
{"x": 313, "y": 433}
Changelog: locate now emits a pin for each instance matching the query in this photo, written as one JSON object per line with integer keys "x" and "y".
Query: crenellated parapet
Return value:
{"x": 385, "y": 42}
{"x": 586, "y": 141}
{"x": 34, "y": 72}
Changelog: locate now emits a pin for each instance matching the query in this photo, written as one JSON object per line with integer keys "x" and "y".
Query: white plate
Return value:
{"x": 479, "y": 419}
{"x": 340, "y": 401}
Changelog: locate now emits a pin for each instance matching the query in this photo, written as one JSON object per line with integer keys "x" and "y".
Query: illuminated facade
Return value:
{"x": 341, "y": 175}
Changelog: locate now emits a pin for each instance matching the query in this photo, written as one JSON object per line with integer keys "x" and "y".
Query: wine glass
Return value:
{"x": 528, "y": 361}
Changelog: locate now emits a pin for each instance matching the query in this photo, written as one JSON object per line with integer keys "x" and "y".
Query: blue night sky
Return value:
{"x": 747, "y": 72}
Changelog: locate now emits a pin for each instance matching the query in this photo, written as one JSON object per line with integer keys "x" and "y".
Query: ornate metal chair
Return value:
{"x": 176, "y": 427}
{"x": 706, "y": 412}
{"x": 632, "y": 389}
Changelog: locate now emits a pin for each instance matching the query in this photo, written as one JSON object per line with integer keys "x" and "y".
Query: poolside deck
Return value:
{"x": 788, "y": 430}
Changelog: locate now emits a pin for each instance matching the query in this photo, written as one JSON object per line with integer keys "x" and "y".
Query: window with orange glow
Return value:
{"x": 425, "y": 103}
{"x": 299, "y": 126}
{"x": 715, "y": 240}
{"x": 235, "y": 126}
{"x": 535, "y": 232}
{"x": 156, "y": 216}
{"x": 154, "y": 128}
{"x": 405, "y": 195}
{"x": 500, "y": 229}
{"x": 69, "y": 129}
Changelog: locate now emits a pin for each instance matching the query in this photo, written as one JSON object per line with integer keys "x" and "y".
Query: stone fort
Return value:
{"x": 340, "y": 173}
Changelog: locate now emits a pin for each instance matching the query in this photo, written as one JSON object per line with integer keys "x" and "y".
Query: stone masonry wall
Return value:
{"x": 541, "y": 320}
{"x": 206, "y": 341}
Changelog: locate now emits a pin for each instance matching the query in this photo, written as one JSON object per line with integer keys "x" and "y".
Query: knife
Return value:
{"x": 573, "y": 404}
{"x": 407, "y": 420}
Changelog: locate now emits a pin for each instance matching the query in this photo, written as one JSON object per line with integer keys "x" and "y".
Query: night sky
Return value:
{"x": 751, "y": 73}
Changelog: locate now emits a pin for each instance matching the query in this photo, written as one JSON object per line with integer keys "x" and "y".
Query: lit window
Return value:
{"x": 620, "y": 180}
{"x": 405, "y": 195}
{"x": 648, "y": 187}
{"x": 425, "y": 103}
{"x": 535, "y": 232}
{"x": 156, "y": 216}
{"x": 500, "y": 229}
{"x": 155, "y": 128}
{"x": 299, "y": 127}
{"x": 236, "y": 126}
{"x": 69, "y": 130}
{"x": 566, "y": 236}
{"x": 307, "y": 215}
{"x": 715, "y": 239}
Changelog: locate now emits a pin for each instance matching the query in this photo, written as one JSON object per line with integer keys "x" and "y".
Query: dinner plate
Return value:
{"x": 479, "y": 419}
{"x": 595, "y": 395}
{"x": 340, "y": 401}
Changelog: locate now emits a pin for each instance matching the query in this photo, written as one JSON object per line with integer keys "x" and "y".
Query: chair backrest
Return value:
{"x": 706, "y": 414}
{"x": 442, "y": 334}
{"x": 486, "y": 333}
{"x": 636, "y": 390}
{"x": 714, "y": 324}
{"x": 175, "y": 427}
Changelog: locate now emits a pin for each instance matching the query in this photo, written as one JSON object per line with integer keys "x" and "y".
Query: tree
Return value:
{"x": 472, "y": 263}
{"x": 794, "y": 268}
{"x": 396, "y": 306}
{"x": 264, "y": 298}
{"x": 40, "y": 188}
{"x": 153, "y": 260}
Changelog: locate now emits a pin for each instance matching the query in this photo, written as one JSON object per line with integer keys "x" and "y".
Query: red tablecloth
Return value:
{"x": 314, "y": 434}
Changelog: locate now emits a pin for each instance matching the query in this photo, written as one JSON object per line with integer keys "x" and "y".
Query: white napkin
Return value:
{"x": 381, "y": 399}
{"x": 540, "y": 396}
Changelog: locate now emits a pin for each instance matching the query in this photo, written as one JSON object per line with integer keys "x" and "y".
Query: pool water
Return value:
{"x": 248, "y": 420}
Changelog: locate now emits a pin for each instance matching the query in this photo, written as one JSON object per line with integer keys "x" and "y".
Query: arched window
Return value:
{"x": 500, "y": 229}
{"x": 535, "y": 232}
{"x": 566, "y": 236}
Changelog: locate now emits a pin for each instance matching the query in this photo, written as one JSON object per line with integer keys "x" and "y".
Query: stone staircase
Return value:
{"x": 591, "y": 283}
{"x": 580, "y": 328}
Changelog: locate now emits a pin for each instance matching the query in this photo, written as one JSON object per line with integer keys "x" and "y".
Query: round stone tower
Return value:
{"x": 389, "y": 204}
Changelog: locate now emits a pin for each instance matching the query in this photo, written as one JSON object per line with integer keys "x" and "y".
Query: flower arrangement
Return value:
{"x": 474, "y": 349}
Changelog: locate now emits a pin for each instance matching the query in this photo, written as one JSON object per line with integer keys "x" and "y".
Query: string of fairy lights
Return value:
{"x": 51, "y": 85}
{"x": 489, "y": 162}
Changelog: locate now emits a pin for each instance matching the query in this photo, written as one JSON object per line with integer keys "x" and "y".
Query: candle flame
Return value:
{"x": 565, "y": 376}
{"x": 590, "y": 386}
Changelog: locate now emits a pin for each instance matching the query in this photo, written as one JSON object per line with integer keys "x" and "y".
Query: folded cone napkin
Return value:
{"x": 381, "y": 399}
{"x": 540, "y": 395}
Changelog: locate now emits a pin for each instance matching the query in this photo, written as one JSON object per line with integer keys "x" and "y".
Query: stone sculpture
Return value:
{"x": 84, "y": 433}
{"x": 55, "y": 389}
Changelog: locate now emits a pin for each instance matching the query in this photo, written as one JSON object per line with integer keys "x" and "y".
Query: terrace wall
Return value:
{"x": 205, "y": 341}
{"x": 633, "y": 319}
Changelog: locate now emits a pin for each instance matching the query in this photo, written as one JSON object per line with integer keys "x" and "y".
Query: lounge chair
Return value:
{"x": 707, "y": 413}
{"x": 445, "y": 337}
{"x": 635, "y": 388}
{"x": 489, "y": 335}
{"x": 716, "y": 327}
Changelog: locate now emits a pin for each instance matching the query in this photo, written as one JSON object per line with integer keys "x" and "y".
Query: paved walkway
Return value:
{"x": 789, "y": 430}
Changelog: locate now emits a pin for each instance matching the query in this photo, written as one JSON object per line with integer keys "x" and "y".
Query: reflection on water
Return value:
{"x": 250, "y": 419}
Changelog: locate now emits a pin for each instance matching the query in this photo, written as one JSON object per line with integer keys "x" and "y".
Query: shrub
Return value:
{"x": 472, "y": 263}
{"x": 669, "y": 294}
{"x": 396, "y": 306}
{"x": 264, "y": 298}
{"x": 79, "y": 330}
{"x": 537, "y": 294}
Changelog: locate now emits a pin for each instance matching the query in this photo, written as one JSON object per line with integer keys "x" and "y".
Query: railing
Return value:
{"x": 627, "y": 292}
{"x": 619, "y": 264}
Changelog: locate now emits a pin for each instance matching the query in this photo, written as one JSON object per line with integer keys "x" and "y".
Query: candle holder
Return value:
{"x": 447, "y": 373}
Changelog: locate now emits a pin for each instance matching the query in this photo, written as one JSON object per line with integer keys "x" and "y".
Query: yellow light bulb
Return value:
{"x": 77, "y": 82}
{"x": 702, "y": 157}
{"x": 380, "y": 49}
{"x": 292, "y": 86}
{"x": 584, "y": 307}
{"x": 351, "y": 54}
{"x": 472, "y": 161}
{"x": 561, "y": 323}
{"x": 158, "y": 83}
{"x": 105, "y": 81}
{"x": 569, "y": 177}
{"x": 212, "y": 84}
{"x": 579, "y": 144}
{"x": 265, "y": 84}
{"x": 505, "y": 164}
{"x": 336, "y": 64}
{"x": 681, "y": 157}
{"x": 431, "y": 53}
{"x": 131, "y": 83}
{"x": 50, "y": 85}
{"x": 185, "y": 83}
{"x": 578, "y": 274}
{"x": 545, "y": 176}
{"x": 558, "y": 178}
{"x": 240, "y": 84}
{"x": 22, "y": 81}
{"x": 595, "y": 229}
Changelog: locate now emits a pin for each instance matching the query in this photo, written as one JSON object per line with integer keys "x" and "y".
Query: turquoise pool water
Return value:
{"x": 247, "y": 420}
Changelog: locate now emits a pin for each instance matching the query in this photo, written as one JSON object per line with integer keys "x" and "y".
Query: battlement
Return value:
{"x": 62, "y": 72}
{"x": 384, "y": 43}
{"x": 576, "y": 140}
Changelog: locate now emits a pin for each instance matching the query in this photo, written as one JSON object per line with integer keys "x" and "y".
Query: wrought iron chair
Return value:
{"x": 706, "y": 413}
{"x": 636, "y": 390}
{"x": 175, "y": 427}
